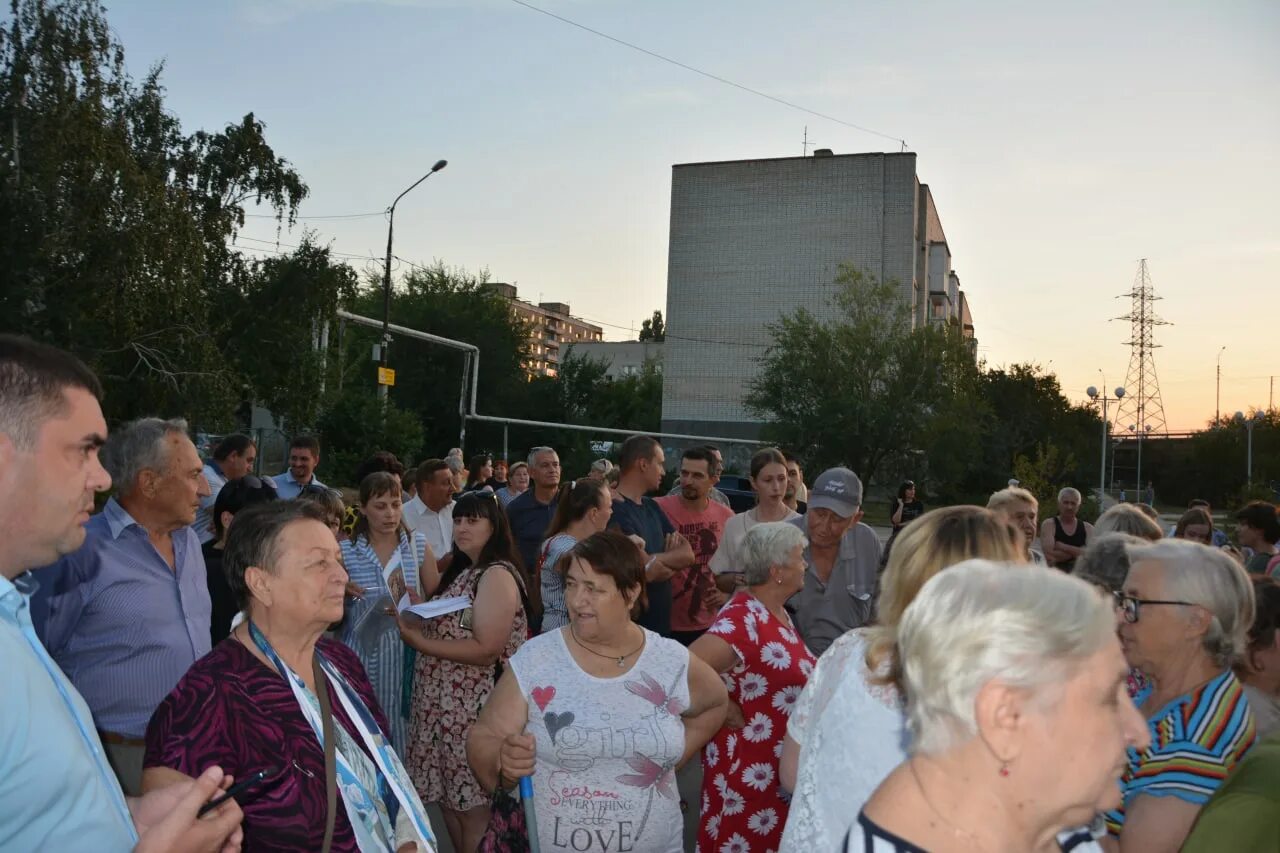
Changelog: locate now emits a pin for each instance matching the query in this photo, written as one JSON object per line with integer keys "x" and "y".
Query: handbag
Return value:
{"x": 507, "y": 831}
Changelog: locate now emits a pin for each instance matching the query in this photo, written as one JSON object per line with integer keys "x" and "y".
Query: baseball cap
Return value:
{"x": 837, "y": 489}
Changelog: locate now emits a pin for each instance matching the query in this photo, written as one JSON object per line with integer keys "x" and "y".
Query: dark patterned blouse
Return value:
{"x": 231, "y": 710}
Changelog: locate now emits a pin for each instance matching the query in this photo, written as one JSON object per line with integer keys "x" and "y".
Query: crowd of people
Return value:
{"x": 442, "y": 632}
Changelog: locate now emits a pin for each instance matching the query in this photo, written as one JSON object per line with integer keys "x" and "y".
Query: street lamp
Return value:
{"x": 1106, "y": 431}
{"x": 386, "y": 277}
{"x": 1249, "y": 423}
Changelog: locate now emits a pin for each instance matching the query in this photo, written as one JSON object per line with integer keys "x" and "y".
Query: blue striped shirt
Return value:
{"x": 555, "y": 612}
{"x": 373, "y": 636}
{"x": 122, "y": 624}
{"x": 57, "y": 788}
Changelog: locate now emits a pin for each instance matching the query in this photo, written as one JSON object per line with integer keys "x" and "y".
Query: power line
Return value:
{"x": 709, "y": 75}
{"x": 332, "y": 252}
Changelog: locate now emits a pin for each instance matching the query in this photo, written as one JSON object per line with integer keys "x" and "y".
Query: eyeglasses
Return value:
{"x": 1131, "y": 607}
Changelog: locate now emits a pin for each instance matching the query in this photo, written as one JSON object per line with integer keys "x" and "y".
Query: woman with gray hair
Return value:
{"x": 1017, "y": 711}
{"x": 1187, "y": 609}
{"x": 1127, "y": 518}
{"x": 758, "y": 652}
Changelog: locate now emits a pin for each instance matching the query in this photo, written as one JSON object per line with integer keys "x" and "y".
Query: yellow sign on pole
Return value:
{"x": 386, "y": 376}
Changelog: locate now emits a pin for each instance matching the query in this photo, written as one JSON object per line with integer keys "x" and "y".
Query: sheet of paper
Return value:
{"x": 437, "y": 606}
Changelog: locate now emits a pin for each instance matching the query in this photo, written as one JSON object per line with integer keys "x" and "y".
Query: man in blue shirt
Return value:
{"x": 531, "y": 511}
{"x": 129, "y": 611}
{"x": 304, "y": 456}
{"x": 665, "y": 551}
{"x": 56, "y": 785}
{"x": 233, "y": 458}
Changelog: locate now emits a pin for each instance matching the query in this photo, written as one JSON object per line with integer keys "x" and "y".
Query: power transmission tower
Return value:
{"x": 1141, "y": 412}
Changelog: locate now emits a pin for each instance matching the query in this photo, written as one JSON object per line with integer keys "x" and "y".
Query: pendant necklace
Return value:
{"x": 621, "y": 660}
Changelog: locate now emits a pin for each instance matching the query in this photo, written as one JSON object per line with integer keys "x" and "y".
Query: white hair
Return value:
{"x": 1068, "y": 491}
{"x": 767, "y": 545}
{"x": 604, "y": 466}
{"x": 1207, "y": 577}
{"x": 141, "y": 445}
{"x": 1009, "y": 497}
{"x": 980, "y": 621}
{"x": 533, "y": 455}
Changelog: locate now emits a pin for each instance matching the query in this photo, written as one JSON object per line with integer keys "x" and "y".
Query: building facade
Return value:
{"x": 622, "y": 358}
{"x": 551, "y": 328}
{"x": 753, "y": 239}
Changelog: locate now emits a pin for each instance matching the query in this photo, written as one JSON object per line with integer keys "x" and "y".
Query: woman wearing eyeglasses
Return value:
{"x": 1184, "y": 613}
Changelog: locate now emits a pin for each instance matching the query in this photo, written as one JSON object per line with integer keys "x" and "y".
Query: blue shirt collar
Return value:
{"x": 118, "y": 518}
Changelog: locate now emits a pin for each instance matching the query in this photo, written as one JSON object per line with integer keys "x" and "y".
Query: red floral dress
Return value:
{"x": 743, "y": 805}
{"x": 447, "y": 697}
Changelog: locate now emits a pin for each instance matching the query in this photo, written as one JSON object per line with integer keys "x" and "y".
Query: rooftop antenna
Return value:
{"x": 804, "y": 146}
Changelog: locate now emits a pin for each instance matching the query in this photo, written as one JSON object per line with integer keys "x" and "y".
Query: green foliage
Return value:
{"x": 454, "y": 304}
{"x": 653, "y": 329}
{"x": 861, "y": 387}
{"x": 115, "y": 226}
{"x": 356, "y": 426}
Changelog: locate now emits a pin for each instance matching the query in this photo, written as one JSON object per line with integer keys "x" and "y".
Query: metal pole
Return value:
{"x": 505, "y": 454}
{"x": 1217, "y": 399}
{"x": 386, "y": 302}
{"x": 462, "y": 402}
{"x": 1102, "y": 474}
{"x": 1249, "y": 463}
{"x": 1138, "y": 485}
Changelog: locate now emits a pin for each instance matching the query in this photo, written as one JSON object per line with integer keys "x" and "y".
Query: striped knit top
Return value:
{"x": 1196, "y": 740}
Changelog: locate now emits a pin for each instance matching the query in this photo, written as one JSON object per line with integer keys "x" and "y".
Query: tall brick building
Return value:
{"x": 752, "y": 239}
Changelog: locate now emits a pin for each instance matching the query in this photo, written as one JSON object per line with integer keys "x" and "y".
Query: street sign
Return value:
{"x": 386, "y": 376}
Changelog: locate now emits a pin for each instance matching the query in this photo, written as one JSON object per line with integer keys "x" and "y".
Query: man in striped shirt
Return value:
{"x": 129, "y": 612}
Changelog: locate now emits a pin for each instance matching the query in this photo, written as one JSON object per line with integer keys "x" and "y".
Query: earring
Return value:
{"x": 1004, "y": 769}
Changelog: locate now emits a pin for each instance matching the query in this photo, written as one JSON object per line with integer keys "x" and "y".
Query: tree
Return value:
{"x": 653, "y": 329}
{"x": 859, "y": 387}
{"x": 114, "y": 225}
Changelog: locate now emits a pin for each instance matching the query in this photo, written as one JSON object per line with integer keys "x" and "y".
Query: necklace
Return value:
{"x": 621, "y": 660}
{"x": 969, "y": 838}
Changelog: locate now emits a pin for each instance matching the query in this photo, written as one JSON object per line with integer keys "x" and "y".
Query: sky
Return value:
{"x": 1062, "y": 143}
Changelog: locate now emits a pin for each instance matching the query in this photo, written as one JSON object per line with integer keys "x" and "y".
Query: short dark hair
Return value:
{"x": 239, "y": 494}
{"x": 305, "y": 442}
{"x": 611, "y": 553}
{"x": 1195, "y": 515}
{"x": 1195, "y": 502}
{"x": 380, "y": 461}
{"x": 427, "y": 470}
{"x": 375, "y": 485}
{"x": 1266, "y": 614}
{"x": 637, "y": 449}
{"x": 33, "y": 377}
{"x": 253, "y": 538}
{"x": 701, "y": 454}
{"x": 1261, "y": 515}
{"x": 236, "y": 442}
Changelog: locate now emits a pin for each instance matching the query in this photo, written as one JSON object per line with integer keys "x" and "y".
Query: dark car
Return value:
{"x": 738, "y": 490}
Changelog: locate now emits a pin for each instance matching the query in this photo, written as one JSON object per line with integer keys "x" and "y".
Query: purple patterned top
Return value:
{"x": 231, "y": 710}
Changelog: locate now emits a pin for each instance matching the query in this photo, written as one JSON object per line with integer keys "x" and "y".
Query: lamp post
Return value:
{"x": 1249, "y": 423}
{"x": 386, "y": 277}
{"x": 1106, "y": 432}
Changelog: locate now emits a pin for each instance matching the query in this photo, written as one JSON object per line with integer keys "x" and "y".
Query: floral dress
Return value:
{"x": 743, "y": 804}
{"x": 447, "y": 697}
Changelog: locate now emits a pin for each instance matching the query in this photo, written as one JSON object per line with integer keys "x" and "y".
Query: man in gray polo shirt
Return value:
{"x": 841, "y": 562}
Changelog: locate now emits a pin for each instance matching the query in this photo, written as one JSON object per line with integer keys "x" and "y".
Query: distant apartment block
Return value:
{"x": 622, "y": 358}
{"x": 752, "y": 239}
{"x": 551, "y": 328}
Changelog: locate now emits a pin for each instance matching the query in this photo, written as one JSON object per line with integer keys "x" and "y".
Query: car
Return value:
{"x": 738, "y": 490}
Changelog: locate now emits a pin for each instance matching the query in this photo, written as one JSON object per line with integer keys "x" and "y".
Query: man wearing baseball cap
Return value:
{"x": 841, "y": 562}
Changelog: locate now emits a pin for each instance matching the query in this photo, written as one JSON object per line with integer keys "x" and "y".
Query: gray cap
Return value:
{"x": 837, "y": 489}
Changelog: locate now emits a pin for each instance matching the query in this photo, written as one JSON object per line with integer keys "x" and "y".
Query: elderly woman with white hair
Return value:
{"x": 1187, "y": 609}
{"x": 1018, "y": 714}
{"x": 759, "y": 654}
